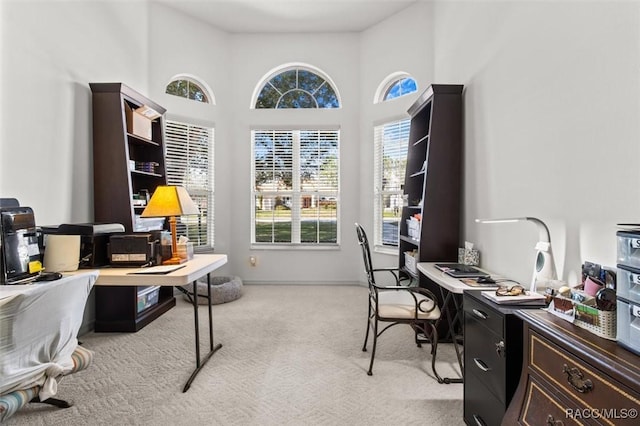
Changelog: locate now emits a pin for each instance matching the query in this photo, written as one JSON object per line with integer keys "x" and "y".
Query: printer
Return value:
{"x": 94, "y": 240}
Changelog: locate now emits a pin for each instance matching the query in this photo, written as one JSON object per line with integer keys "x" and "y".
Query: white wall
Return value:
{"x": 50, "y": 52}
{"x": 551, "y": 124}
{"x": 551, "y": 107}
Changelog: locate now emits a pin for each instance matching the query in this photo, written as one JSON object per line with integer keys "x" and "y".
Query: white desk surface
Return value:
{"x": 454, "y": 285}
{"x": 199, "y": 266}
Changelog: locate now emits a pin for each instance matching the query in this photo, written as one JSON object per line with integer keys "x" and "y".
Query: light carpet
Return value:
{"x": 291, "y": 355}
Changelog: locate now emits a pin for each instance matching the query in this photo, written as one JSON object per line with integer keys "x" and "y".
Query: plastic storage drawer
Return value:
{"x": 629, "y": 248}
{"x": 628, "y": 283}
{"x": 628, "y": 329}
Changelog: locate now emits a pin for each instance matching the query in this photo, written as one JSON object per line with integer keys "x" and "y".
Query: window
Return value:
{"x": 297, "y": 87}
{"x": 188, "y": 88}
{"x": 401, "y": 87}
{"x": 394, "y": 86}
{"x": 295, "y": 187}
{"x": 390, "y": 159}
{"x": 189, "y": 163}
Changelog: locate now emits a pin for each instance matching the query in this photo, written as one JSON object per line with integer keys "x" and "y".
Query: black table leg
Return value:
{"x": 212, "y": 349}
{"x": 449, "y": 297}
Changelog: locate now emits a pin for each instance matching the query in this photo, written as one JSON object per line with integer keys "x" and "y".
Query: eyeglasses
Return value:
{"x": 515, "y": 290}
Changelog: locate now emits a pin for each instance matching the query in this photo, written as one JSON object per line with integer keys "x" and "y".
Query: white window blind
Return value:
{"x": 390, "y": 160}
{"x": 189, "y": 163}
{"x": 295, "y": 186}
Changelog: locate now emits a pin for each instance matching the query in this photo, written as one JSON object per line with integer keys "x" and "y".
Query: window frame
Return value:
{"x": 204, "y": 88}
{"x": 297, "y": 192}
{"x": 390, "y": 81}
{"x": 297, "y": 66}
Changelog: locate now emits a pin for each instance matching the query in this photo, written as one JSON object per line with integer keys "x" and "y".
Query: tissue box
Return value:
{"x": 185, "y": 251}
{"x": 469, "y": 257}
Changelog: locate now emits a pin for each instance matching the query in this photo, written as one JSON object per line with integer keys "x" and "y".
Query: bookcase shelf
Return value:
{"x": 115, "y": 183}
{"x": 433, "y": 175}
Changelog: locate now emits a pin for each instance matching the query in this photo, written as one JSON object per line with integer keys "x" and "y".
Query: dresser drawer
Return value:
{"x": 542, "y": 407}
{"x": 485, "y": 315}
{"x": 484, "y": 356}
{"x": 579, "y": 380}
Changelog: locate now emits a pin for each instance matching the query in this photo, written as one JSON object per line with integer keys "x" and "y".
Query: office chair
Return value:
{"x": 398, "y": 304}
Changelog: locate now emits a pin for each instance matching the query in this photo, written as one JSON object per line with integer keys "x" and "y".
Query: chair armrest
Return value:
{"x": 392, "y": 270}
{"x": 418, "y": 304}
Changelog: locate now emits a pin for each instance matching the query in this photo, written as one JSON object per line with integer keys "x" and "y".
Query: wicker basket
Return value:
{"x": 602, "y": 324}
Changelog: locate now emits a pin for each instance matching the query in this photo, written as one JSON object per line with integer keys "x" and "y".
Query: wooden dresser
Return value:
{"x": 571, "y": 376}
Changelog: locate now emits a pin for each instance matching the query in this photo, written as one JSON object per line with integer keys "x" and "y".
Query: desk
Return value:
{"x": 451, "y": 290}
{"x": 198, "y": 267}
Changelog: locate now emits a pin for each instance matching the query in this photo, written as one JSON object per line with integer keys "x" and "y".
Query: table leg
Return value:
{"x": 201, "y": 362}
{"x": 448, "y": 297}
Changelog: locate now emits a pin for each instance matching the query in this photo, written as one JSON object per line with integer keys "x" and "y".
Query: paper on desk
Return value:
{"x": 158, "y": 270}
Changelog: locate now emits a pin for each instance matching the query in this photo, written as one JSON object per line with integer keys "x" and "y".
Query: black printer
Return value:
{"x": 94, "y": 239}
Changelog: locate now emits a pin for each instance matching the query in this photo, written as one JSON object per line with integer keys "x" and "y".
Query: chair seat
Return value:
{"x": 399, "y": 304}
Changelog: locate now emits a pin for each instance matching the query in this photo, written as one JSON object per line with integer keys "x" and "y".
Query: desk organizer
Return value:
{"x": 600, "y": 323}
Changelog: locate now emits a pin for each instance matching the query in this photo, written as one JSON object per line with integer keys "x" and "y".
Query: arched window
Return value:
{"x": 396, "y": 85}
{"x": 296, "y": 87}
{"x": 188, "y": 87}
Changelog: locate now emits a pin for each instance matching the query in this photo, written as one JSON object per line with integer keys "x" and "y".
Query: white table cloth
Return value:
{"x": 39, "y": 325}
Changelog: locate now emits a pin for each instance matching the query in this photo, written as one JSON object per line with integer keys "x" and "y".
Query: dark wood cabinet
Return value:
{"x": 128, "y": 161}
{"x": 432, "y": 185}
{"x": 571, "y": 376}
{"x": 492, "y": 358}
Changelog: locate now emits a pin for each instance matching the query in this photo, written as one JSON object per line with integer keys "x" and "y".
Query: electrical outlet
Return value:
{"x": 253, "y": 260}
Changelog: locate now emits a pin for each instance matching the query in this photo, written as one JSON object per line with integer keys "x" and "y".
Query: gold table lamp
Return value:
{"x": 171, "y": 201}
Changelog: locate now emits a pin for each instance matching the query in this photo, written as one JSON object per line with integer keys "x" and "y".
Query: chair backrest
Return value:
{"x": 366, "y": 253}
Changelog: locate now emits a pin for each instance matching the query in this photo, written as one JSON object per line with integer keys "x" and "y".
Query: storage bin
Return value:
{"x": 628, "y": 248}
{"x": 410, "y": 262}
{"x": 147, "y": 297}
{"x": 628, "y": 283}
{"x": 628, "y": 332}
{"x": 413, "y": 228}
{"x": 600, "y": 323}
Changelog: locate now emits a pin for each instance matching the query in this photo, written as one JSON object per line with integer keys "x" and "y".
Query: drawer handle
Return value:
{"x": 479, "y": 420}
{"x": 576, "y": 379}
{"x": 481, "y": 365}
{"x": 480, "y": 314}
{"x": 553, "y": 422}
{"x": 500, "y": 348}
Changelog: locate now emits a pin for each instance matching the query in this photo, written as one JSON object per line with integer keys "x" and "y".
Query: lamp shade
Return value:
{"x": 168, "y": 200}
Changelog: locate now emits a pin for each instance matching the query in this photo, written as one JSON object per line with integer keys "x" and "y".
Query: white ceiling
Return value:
{"x": 271, "y": 16}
